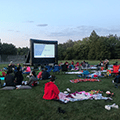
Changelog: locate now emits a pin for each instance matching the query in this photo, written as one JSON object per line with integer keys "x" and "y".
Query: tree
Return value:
{"x": 92, "y": 45}
{"x": 61, "y": 51}
{"x": 69, "y": 43}
{"x": 117, "y": 51}
{"x": 93, "y": 36}
{"x": 69, "y": 53}
{"x": 113, "y": 42}
{"x": 8, "y": 49}
{"x": 102, "y": 49}
{"x": 22, "y": 51}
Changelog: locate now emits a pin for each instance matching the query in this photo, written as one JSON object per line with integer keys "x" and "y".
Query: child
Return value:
{"x": 51, "y": 91}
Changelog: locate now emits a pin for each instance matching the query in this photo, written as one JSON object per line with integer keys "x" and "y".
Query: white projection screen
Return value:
{"x": 44, "y": 50}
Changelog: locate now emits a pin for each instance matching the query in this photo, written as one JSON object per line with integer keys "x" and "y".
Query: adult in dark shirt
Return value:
{"x": 18, "y": 77}
{"x": 9, "y": 79}
{"x": 10, "y": 68}
{"x": 20, "y": 67}
{"x": 117, "y": 78}
{"x": 45, "y": 74}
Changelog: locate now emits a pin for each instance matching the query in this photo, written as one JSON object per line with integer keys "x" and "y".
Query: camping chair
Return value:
{"x": 15, "y": 70}
{"x": 56, "y": 69}
{"x": 115, "y": 69}
{"x": 49, "y": 68}
{"x": 85, "y": 73}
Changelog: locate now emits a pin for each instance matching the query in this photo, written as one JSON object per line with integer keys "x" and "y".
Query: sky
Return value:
{"x": 61, "y": 20}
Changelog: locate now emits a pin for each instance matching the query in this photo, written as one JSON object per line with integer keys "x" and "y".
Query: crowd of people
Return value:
{"x": 104, "y": 63}
{"x": 75, "y": 66}
{"x": 15, "y": 76}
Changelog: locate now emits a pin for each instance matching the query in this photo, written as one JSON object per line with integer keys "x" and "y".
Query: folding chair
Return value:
{"x": 56, "y": 69}
{"x": 49, "y": 68}
{"x": 115, "y": 69}
{"x": 85, "y": 73}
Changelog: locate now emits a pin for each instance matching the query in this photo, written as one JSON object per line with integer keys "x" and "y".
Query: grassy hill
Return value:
{"x": 29, "y": 104}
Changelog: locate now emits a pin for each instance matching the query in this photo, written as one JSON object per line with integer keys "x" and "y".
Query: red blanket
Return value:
{"x": 83, "y": 80}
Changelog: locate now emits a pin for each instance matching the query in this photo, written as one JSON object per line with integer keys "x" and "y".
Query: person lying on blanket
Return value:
{"x": 51, "y": 91}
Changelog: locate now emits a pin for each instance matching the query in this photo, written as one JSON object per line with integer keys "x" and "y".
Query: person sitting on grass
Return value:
{"x": 39, "y": 76}
{"x": 117, "y": 79}
{"x": 27, "y": 70}
{"x": 19, "y": 66}
{"x": 45, "y": 74}
{"x": 33, "y": 79}
{"x": 11, "y": 67}
{"x": 9, "y": 79}
{"x": 18, "y": 77}
{"x": 51, "y": 91}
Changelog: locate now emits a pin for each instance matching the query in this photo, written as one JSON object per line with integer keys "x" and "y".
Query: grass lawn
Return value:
{"x": 29, "y": 104}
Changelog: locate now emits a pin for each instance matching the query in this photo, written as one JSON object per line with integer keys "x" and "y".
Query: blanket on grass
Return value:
{"x": 2, "y": 78}
{"x": 84, "y": 80}
{"x": 2, "y": 74}
{"x": 79, "y": 72}
{"x": 82, "y": 95}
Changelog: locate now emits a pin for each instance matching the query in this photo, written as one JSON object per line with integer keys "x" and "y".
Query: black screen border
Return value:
{"x": 43, "y": 61}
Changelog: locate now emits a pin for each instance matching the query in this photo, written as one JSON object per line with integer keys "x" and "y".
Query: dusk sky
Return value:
{"x": 59, "y": 20}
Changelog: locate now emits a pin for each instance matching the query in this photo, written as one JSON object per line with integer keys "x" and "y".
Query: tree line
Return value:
{"x": 10, "y": 49}
{"x": 94, "y": 47}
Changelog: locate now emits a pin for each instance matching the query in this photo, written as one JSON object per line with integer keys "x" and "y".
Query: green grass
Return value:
{"x": 29, "y": 104}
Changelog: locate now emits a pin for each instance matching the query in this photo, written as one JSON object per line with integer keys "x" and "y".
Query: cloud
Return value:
{"x": 17, "y": 31}
{"x": 11, "y": 30}
{"x": 77, "y": 31}
{"x": 30, "y": 21}
{"x": 42, "y": 25}
{"x": 80, "y": 31}
{"x": 14, "y": 30}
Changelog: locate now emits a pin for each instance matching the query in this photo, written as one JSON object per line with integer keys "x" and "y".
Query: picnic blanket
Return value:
{"x": 82, "y": 95}
{"x": 2, "y": 78}
{"x": 79, "y": 72}
{"x": 2, "y": 74}
{"x": 84, "y": 80}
